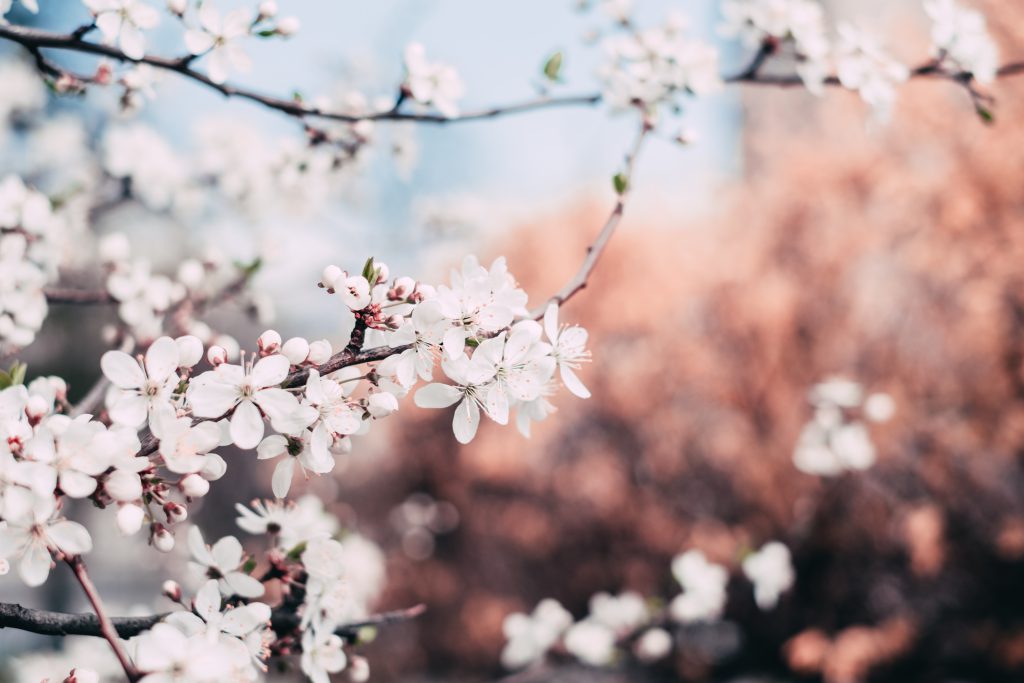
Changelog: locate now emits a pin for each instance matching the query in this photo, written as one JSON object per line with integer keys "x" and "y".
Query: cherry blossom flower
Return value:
{"x": 424, "y": 330}
{"x": 432, "y": 83}
{"x": 530, "y": 636}
{"x": 568, "y": 348}
{"x": 218, "y": 38}
{"x": 290, "y": 522}
{"x": 335, "y": 415}
{"x": 247, "y": 390}
{"x": 140, "y": 389}
{"x": 222, "y": 562}
{"x": 771, "y": 571}
{"x": 31, "y": 537}
{"x": 863, "y": 65}
{"x": 961, "y": 36}
{"x": 295, "y": 449}
{"x": 184, "y": 446}
{"x": 322, "y": 655}
{"x": 168, "y": 655}
{"x": 474, "y": 378}
{"x": 703, "y": 597}
{"x": 590, "y": 642}
{"x": 122, "y": 21}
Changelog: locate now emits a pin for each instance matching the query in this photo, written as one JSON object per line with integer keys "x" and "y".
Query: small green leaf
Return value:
{"x": 249, "y": 269}
{"x": 553, "y": 67}
{"x": 473, "y": 341}
{"x": 620, "y": 182}
{"x": 17, "y": 373}
{"x": 266, "y": 33}
{"x": 5, "y": 380}
{"x": 296, "y": 552}
{"x": 369, "y": 271}
{"x": 249, "y": 565}
{"x": 985, "y": 114}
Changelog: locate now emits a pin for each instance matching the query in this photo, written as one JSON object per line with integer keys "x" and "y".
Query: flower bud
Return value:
{"x": 60, "y": 387}
{"x": 653, "y": 645}
{"x": 171, "y": 590}
{"x": 114, "y": 248}
{"x": 191, "y": 273}
{"x": 330, "y": 275}
{"x": 404, "y": 286}
{"x": 79, "y": 675}
{"x": 358, "y": 669}
{"x": 190, "y": 350}
{"x": 394, "y": 321}
{"x": 230, "y": 345}
{"x": 288, "y": 26}
{"x": 123, "y": 486}
{"x": 37, "y": 407}
{"x": 162, "y": 540}
{"x": 269, "y": 342}
{"x": 194, "y": 486}
{"x": 383, "y": 272}
{"x": 130, "y": 518}
{"x": 214, "y": 467}
{"x": 177, "y": 6}
{"x": 424, "y": 292}
{"x": 216, "y": 355}
{"x": 268, "y": 9}
{"x": 320, "y": 352}
{"x": 296, "y": 350}
{"x": 175, "y": 513}
{"x": 381, "y": 404}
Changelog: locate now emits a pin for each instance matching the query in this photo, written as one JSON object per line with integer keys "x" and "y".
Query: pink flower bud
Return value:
{"x": 175, "y": 513}
{"x": 162, "y": 540}
{"x": 177, "y": 6}
{"x": 404, "y": 286}
{"x": 60, "y": 387}
{"x": 130, "y": 518}
{"x": 288, "y": 26}
{"x": 190, "y": 350}
{"x": 358, "y": 669}
{"x": 194, "y": 486}
{"x": 268, "y": 9}
{"x": 37, "y": 408}
{"x": 269, "y": 342}
{"x": 230, "y": 345}
{"x": 296, "y": 350}
{"x": 320, "y": 352}
{"x": 171, "y": 590}
{"x": 330, "y": 276}
{"x": 216, "y": 355}
{"x": 383, "y": 272}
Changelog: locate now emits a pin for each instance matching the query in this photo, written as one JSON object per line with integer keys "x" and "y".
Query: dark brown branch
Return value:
{"x": 63, "y": 624}
{"x": 34, "y": 39}
{"x": 66, "y": 295}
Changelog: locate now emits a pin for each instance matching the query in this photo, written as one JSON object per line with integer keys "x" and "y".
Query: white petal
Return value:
{"x": 242, "y": 585}
{"x": 122, "y": 370}
{"x": 271, "y": 447}
{"x": 198, "y": 42}
{"x": 270, "y": 371}
{"x": 211, "y": 398}
{"x": 197, "y": 547}
{"x": 246, "y": 425}
{"x": 76, "y": 485}
{"x": 276, "y": 403}
{"x": 454, "y": 342}
{"x": 497, "y": 404}
{"x": 573, "y": 383}
{"x": 162, "y": 359}
{"x": 551, "y": 321}
{"x": 35, "y": 565}
{"x": 282, "y": 480}
{"x": 227, "y": 553}
{"x": 207, "y": 600}
{"x": 437, "y": 396}
{"x": 466, "y": 421}
{"x": 70, "y": 537}
{"x": 130, "y": 410}
{"x": 133, "y": 43}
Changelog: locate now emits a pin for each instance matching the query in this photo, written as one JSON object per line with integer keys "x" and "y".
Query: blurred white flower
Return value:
{"x": 218, "y": 38}
{"x": 961, "y": 36}
{"x": 122, "y": 22}
{"x": 530, "y": 636}
{"x": 863, "y": 65}
{"x": 704, "y": 583}
{"x": 771, "y": 571}
{"x": 432, "y": 83}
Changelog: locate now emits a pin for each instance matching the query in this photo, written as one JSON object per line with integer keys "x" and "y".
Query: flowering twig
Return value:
{"x": 106, "y": 626}
{"x": 47, "y": 623}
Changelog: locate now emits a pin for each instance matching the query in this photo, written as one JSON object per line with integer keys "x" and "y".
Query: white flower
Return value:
{"x": 335, "y": 416}
{"x": 141, "y": 389}
{"x": 621, "y": 613}
{"x": 569, "y": 349}
{"x": 184, "y": 446}
{"x": 530, "y": 636}
{"x": 960, "y": 35}
{"x": 424, "y": 329}
{"x": 653, "y": 645}
{"x": 322, "y": 655}
{"x": 122, "y": 21}
{"x": 222, "y": 562}
{"x": 291, "y": 522}
{"x": 32, "y": 536}
{"x": 831, "y": 442}
{"x": 247, "y": 391}
{"x": 218, "y": 38}
{"x": 862, "y": 65}
{"x": 771, "y": 571}
{"x": 474, "y": 377}
{"x": 295, "y": 449}
{"x": 170, "y": 656}
{"x": 703, "y": 584}
{"x": 479, "y": 300}
{"x": 432, "y": 83}
{"x": 591, "y": 642}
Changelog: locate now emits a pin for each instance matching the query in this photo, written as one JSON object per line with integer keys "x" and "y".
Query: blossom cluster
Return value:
{"x": 628, "y": 624}
{"x": 836, "y": 438}
{"x": 650, "y": 68}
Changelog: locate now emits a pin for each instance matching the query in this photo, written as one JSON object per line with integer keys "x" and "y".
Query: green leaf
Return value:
{"x": 369, "y": 272}
{"x": 553, "y": 67}
{"x": 266, "y": 33}
{"x": 249, "y": 269}
{"x": 5, "y": 380}
{"x": 620, "y": 182}
{"x": 17, "y": 373}
{"x": 985, "y": 114}
{"x": 296, "y": 552}
{"x": 249, "y": 565}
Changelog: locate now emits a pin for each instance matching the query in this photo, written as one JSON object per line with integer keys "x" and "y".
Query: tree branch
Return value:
{"x": 104, "y": 624}
{"x": 48, "y": 623}
{"x": 66, "y": 295}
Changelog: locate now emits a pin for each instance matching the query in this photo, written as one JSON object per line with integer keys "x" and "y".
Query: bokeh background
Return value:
{"x": 794, "y": 241}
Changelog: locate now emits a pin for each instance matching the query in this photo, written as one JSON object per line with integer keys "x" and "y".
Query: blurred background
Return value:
{"x": 794, "y": 241}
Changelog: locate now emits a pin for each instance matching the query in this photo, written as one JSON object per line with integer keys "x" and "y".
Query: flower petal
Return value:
{"x": 246, "y": 425}
{"x": 122, "y": 370}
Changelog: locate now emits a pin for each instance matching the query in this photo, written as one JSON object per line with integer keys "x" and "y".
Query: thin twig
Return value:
{"x": 106, "y": 626}
{"x": 67, "y": 295}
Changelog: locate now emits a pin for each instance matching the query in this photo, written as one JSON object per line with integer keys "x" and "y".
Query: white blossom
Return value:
{"x": 122, "y": 22}
{"x": 961, "y": 36}
{"x": 771, "y": 571}
{"x": 218, "y": 38}
{"x": 223, "y": 562}
{"x": 432, "y": 83}
{"x": 530, "y": 636}
{"x": 704, "y": 596}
